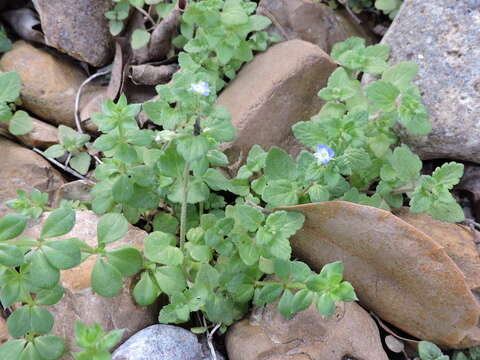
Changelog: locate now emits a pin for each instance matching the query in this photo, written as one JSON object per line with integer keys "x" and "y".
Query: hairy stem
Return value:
{"x": 183, "y": 214}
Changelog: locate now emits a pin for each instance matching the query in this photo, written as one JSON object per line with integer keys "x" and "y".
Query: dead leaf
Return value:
{"x": 152, "y": 75}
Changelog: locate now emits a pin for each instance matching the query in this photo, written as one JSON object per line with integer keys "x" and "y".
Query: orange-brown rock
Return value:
{"x": 50, "y": 82}
{"x": 267, "y": 335}
{"x": 24, "y": 169}
{"x": 311, "y": 21}
{"x": 81, "y": 303}
{"x": 273, "y": 92}
{"x": 398, "y": 271}
{"x": 42, "y": 135}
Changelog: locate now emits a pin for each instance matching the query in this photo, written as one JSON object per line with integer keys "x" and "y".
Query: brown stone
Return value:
{"x": 311, "y": 21}
{"x": 81, "y": 303}
{"x": 397, "y": 270}
{"x": 4, "y": 336}
{"x": 273, "y": 92}
{"x": 24, "y": 169}
{"x": 42, "y": 136}
{"x": 50, "y": 82}
{"x": 78, "y": 28}
{"x": 267, "y": 335}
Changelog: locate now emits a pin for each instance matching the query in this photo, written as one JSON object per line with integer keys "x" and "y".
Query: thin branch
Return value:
{"x": 262, "y": 209}
{"x": 146, "y": 14}
{"x": 209, "y": 340}
{"x": 79, "y": 94}
{"x": 63, "y": 167}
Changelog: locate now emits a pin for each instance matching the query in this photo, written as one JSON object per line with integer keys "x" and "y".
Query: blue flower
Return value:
{"x": 201, "y": 87}
{"x": 324, "y": 154}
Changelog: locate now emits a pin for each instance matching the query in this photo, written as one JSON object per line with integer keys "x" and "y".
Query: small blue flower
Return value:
{"x": 201, "y": 87}
{"x": 324, "y": 154}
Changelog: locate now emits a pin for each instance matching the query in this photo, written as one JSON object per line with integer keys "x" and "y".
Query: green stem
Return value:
{"x": 183, "y": 214}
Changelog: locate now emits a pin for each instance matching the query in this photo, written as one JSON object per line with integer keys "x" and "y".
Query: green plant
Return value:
{"x": 429, "y": 351}
{"x": 354, "y": 154}
{"x": 95, "y": 342}
{"x": 388, "y": 7}
{"x": 32, "y": 206}
{"x": 71, "y": 142}
{"x": 19, "y": 122}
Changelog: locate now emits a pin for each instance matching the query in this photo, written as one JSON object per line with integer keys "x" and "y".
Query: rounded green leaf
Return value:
{"x": 18, "y": 323}
{"x": 41, "y": 320}
{"x": 58, "y": 223}
{"x": 20, "y": 124}
{"x": 122, "y": 189}
{"x": 51, "y": 296}
{"x": 54, "y": 151}
{"x": 81, "y": 162}
{"x": 39, "y": 272}
{"x": 10, "y": 85}
{"x": 326, "y": 305}
{"x": 50, "y": 347}
{"x": 127, "y": 260}
{"x": 170, "y": 279}
{"x": 146, "y": 290}
{"x": 12, "y": 225}
{"x": 62, "y": 254}
{"x": 106, "y": 279}
{"x": 10, "y": 291}
{"x": 11, "y": 350}
{"x": 111, "y": 228}
{"x": 10, "y": 255}
{"x": 140, "y": 38}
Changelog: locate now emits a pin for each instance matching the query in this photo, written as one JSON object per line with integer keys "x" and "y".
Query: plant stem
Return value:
{"x": 183, "y": 214}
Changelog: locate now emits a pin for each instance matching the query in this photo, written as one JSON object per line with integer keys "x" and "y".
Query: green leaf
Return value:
{"x": 165, "y": 223}
{"x": 352, "y": 43}
{"x": 20, "y": 124}
{"x": 12, "y": 225}
{"x": 41, "y": 320}
{"x": 448, "y": 174}
{"x": 250, "y": 217}
{"x": 127, "y": 260}
{"x": 192, "y": 147}
{"x": 81, "y": 162}
{"x": 140, "y": 38}
{"x": 62, "y": 254}
{"x": 170, "y": 279}
{"x": 111, "y": 227}
{"x": 268, "y": 293}
{"x": 58, "y": 223}
{"x": 216, "y": 180}
{"x": 429, "y": 351}
{"x": 451, "y": 212}
{"x": 12, "y": 349}
{"x": 406, "y": 163}
{"x": 281, "y": 193}
{"x": 249, "y": 252}
{"x": 279, "y": 165}
{"x": 51, "y": 296}
{"x": 285, "y": 304}
{"x": 233, "y": 13}
{"x": 310, "y": 133}
{"x": 259, "y": 22}
{"x": 39, "y": 271}
{"x": 326, "y": 305}
{"x": 318, "y": 193}
{"x": 18, "y": 322}
{"x": 106, "y": 279}
{"x": 54, "y": 151}
{"x": 10, "y": 85}
{"x": 50, "y": 347}
{"x": 401, "y": 74}
{"x": 302, "y": 300}
{"x": 115, "y": 27}
{"x": 282, "y": 268}
{"x": 146, "y": 290}
{"x": 382, "y": 95}
{"x": 122, "y": 189}
{"x": 160, "y": 247}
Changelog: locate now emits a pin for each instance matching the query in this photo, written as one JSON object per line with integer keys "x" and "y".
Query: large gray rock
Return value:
{"x": 78, "y": 28}
{"x": 163, "y": 342}
{"x": 443, "y": 37}
{"x": 276, "y": 90}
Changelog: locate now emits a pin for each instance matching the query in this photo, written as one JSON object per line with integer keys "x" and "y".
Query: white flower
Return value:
{"x": 201, "y": 87}
{"x": 324, "y": 154}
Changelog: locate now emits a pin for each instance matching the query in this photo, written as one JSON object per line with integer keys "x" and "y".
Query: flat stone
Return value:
{"x": 163, "y": 342}
{"x": 273, "y": 92}
{"x": 42, "y": 135}
{"x": 50, "y": 82}
{"x": 266, "y": 335}
{"x": 411, "y": 277}
{"x": 26, "y": 170}
{"x": 78, "y": 28}
{"x": 81, "y": 303}
{"x": 442, "y": 37}
{"x": 311, "y": 21}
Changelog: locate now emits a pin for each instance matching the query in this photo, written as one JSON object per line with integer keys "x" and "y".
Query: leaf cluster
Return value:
{"x": 19, "y": 122}
{"x": 95, "y": 342}
{"x": 430, "y": 351}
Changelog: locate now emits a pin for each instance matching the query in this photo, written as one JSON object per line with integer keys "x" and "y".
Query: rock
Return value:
{"x": 78, "y": 190}
{"x": 398, "y": 271}
{"x": 78, "y": 28}
{"x": 267, "y": 335}
{"x": 4, "y": 336}
{"x": 50, "y": 82}
{"x": 269, "y": 95}
{"x": 42, "y": 136}
{"x": 81, "y": 303}
{"x": 310, "y": 21}
{"x": 449, "y": 59}
{"x": 163, "y": 342}
{"x": 24, "y": 169}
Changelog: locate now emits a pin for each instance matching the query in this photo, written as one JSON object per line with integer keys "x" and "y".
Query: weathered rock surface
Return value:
{"x": 442, "y": 37}
{"x": 42, "y": 136}
{"x": 78, "y": 28}
{"x": 398, "y": 271}
{"x": 50, "y": 82}
{"x": 267, "y": 335}
{"x": 78, "y": 190}
{"x": 273, "y": 92}
{"x": 24, "y": 169}
{"x": 81, "y": 303}
{"x": 314, "y": 22}
{"x": 163, "y": 342}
